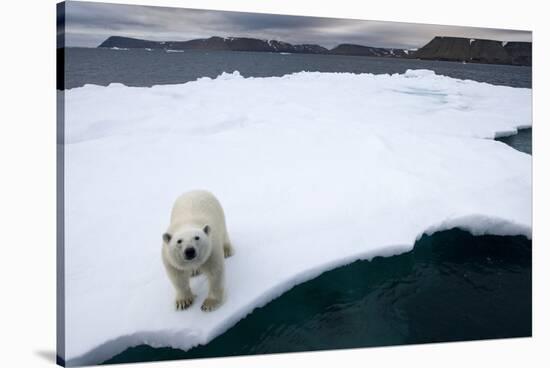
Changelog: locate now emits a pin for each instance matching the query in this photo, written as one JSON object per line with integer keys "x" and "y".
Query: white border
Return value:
{"x": 27, "y": 202}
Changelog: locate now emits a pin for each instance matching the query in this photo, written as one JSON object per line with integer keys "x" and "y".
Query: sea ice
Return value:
{"x": 314, "y": 170}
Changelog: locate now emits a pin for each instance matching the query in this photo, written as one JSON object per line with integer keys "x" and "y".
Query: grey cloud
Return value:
{"x": 88, "y": 24}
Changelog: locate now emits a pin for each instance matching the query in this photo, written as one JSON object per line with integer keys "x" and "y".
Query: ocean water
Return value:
{"x": 147, "y": 68}
{"x": 451, "y": 287}
{"x": 522, "y": 141}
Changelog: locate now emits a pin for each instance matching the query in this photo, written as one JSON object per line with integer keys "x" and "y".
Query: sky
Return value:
{"x": 89, "y": 24}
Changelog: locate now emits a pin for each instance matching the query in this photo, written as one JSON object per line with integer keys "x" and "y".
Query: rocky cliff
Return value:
{"x": 476, "y": 50}
{"x": 520, "y": 52}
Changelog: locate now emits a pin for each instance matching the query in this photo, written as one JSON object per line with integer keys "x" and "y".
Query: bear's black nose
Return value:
{"x": 190, "y": 253}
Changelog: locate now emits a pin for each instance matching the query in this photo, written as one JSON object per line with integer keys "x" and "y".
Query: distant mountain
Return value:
{"x": 215, "y": 43}
{"x": 439, "y": 48}
{"x": 249, "y": 44}
{"x": 359, "y": 50}
{"x": 476, "y": 51}
{"x": 520, "y": 52}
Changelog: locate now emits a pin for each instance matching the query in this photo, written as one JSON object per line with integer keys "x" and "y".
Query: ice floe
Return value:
{"x": 314, "y": 170}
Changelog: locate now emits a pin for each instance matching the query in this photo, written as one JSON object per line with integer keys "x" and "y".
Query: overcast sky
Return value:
{"x": 89, "y": 24}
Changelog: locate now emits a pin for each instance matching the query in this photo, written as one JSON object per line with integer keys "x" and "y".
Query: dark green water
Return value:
{"x": 143, "y": 68}
{"x": 521, "y": 141}
{"x": 451, "y": 287}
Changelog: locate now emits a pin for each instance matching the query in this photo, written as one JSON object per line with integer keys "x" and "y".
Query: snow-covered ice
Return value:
{"x": 314, "y": 170}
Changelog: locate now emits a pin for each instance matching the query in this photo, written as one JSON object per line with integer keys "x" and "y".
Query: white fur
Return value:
{"x": 197, "y": 222}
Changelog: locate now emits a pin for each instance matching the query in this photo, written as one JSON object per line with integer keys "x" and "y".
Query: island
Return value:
{"x": 248, "y": 44}
{"x": 459, "y": 49}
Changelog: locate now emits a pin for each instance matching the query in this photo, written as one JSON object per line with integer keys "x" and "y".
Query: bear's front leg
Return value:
{"x": 180, "y": 280}
{"x": 216, "y": 291}
{"x": 184, "y": 296}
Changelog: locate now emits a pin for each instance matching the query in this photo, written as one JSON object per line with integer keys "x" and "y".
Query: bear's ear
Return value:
{"x": 166, "y": 237}
{"x": 206, "y": 230}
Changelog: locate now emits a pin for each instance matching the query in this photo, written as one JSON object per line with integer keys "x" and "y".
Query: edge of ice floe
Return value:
{"x": 409, "y": 73}
{"x": 476, "y": 225}
{"x": 511, "y": 132}
{"x": 479, "y": 225}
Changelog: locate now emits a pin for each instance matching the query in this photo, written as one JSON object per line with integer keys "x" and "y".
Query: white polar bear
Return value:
{"x": 196, "y": 241}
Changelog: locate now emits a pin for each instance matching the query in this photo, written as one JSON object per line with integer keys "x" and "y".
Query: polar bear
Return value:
{"x": 196, "y": 241}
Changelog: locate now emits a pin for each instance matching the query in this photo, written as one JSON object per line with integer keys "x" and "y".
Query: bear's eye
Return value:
{"x": 197, "y": 237}
{"x": 179, "y": 241}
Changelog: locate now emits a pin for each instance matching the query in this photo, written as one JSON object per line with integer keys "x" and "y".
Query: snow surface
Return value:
{"x": 314, "y": 170}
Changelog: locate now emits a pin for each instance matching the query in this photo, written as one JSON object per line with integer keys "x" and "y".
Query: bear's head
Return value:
{"x": 187, "y": 247}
